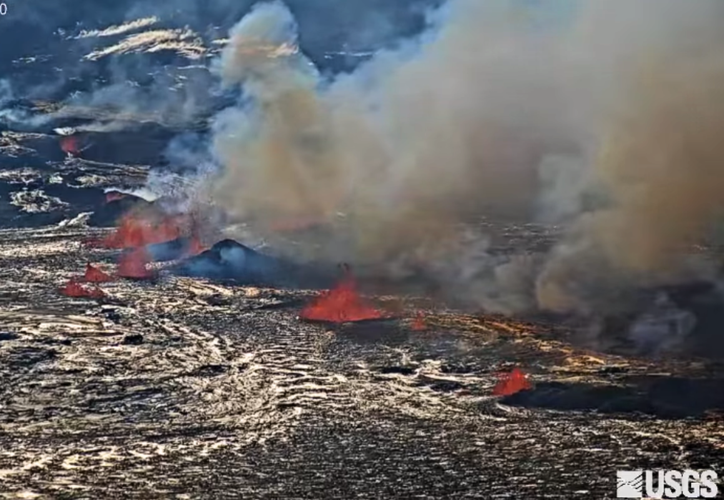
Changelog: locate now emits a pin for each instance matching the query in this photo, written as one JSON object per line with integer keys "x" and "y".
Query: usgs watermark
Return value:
{"x": 666, "y": 484}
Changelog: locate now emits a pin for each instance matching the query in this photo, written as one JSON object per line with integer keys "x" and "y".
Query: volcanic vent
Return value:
{"x": 528, "y": 198}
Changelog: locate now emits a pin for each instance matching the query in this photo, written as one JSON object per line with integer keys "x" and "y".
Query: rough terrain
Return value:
{"x": 192, "y": 389}
{"x": 185, "y": 388}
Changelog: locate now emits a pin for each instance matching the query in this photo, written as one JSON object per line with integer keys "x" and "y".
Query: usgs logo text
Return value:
{"x": 666, "y": 484}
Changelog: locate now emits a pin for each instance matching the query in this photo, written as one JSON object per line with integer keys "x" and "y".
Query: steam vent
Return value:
{"x": 411, "y": 249}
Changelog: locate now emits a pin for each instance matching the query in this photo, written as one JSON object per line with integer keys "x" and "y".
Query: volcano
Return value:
{"x": 231, "y": 260}
{"x": 166, "y": 347}
{"x": 201, "y": 374}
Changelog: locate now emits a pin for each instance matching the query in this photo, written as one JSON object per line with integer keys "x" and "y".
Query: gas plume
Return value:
{"x": 661, "y": 163}
{"x": 497, "y": 106}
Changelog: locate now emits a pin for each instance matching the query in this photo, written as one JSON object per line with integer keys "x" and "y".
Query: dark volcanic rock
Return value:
{"x": 29, "y": 356}
{"x": 7, "y": 336}
{"x": 664, "y": 307}
{"x": 133, "y": 339}
{"x": 210, "y": 370}
{"x": 169, "y": 250}
{"x": 663, "y": 397}
{"x": 706, "y": 303}
{"x": 246, "y": 401}
{"x": 148, "y": 141}
{"x": 230, "y": 260}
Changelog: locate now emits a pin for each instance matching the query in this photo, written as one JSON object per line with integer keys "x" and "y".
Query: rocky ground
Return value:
{"x": 190, "y": 389}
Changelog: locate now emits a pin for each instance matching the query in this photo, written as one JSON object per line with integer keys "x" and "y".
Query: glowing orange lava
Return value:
{"x": 340, "y": 304}
{"x": 95, "y": 275}
{"x": 134, "y": 232}
{"x": 75, "y": 289}
{"x": 195, "y": 246}
{"x": 510, "y": 383}
{"x": 418, "y": 324}
{"x": 69, "y": 144}
{"x": 134, "y": 264}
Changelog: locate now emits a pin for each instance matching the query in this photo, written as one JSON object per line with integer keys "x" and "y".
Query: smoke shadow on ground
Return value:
{"x": 378, "y": 332}
{"x": 15, "y": 220}
{"x": 659, "y": 396}
{"x": 703, "y": 301}
{"x": 148, "y": 145}
{"x": 71, "y": 201}
{"x": 706, "y": 303}
{"x": 81, "y": 199}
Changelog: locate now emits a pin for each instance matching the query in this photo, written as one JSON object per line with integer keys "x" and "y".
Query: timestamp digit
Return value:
{"x": 3, "y": 8}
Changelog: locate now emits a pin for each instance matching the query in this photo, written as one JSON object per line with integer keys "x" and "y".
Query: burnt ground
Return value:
{"x": 185, "y": 388}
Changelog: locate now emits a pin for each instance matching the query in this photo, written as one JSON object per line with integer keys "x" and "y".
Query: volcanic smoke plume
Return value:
{"x": 662, "y": 164}
{"x": 510, "y": 107}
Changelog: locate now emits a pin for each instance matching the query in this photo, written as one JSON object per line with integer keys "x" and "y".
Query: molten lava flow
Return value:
{"x": 418, "y": 324}
{"x": 195, "y": 247}
{"x": 95, "y": 275}
{"x": 75, "y": 289}
{"x": 129, "y": 233}
{"x": 340, "y": 304}
{"x": 133, "y": 232}
{"x": 133, "y": 264}
{"x": 169, "y": 229}
{"x": 69, "y": 144}
{"x": 510, "y": 383}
